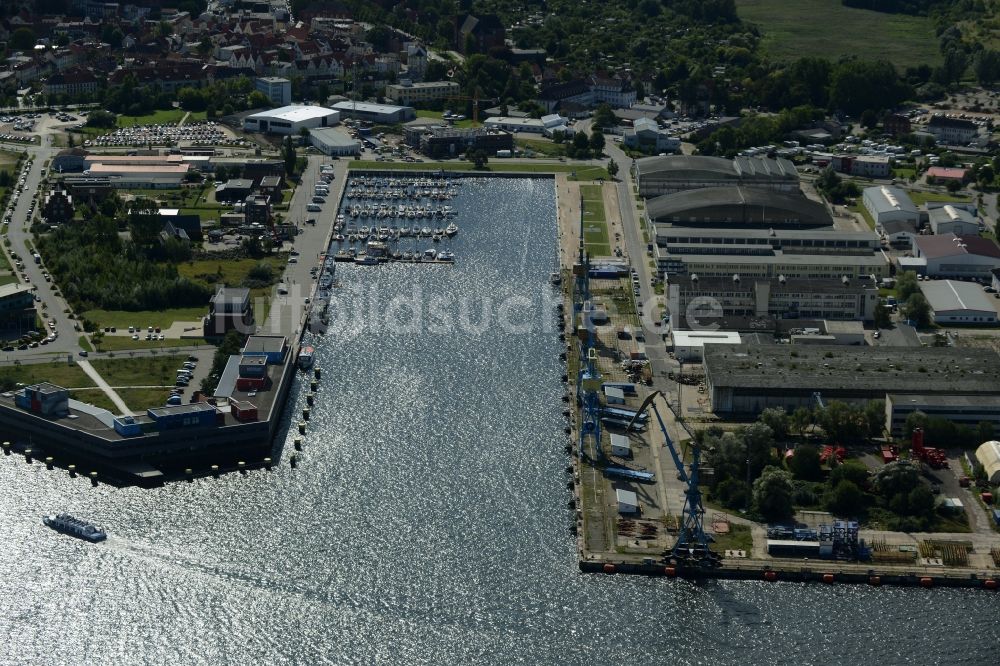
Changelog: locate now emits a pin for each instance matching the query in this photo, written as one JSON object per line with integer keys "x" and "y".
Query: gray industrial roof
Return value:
{"x": 757, "y": 204}
{"x": 334, "y": 137}
{"x": 947, "y": 213}
{"x": 920, "y": 399}
{"x": 782, "y": 258}
{"x": 717, "y": 284}
{"x": 703, "y": 166}
{"x": 950, "y": 295}
{"x": 886, "y": 198}
{"x": 821, "y": 367}
{"x": 675, "y": 231}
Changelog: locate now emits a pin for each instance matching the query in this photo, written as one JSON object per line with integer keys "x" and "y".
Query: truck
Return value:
{"x": 37, "y": 257}
{"x": 503, "y": 153}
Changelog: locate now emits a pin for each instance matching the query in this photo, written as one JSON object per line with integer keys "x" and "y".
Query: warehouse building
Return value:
{"x": 698, "y": 297}
{"x": 899, "y": 233}
{"x": 867, "y": 166}
{"x": 738, "y": 207}
{"x": 330, "y": 141}
{"x": 646, "y": 135}
{"x": 666, "y": 174}
{"x": 152, "y": 177}
{"x": 290, "y": 120}
{"x": 955, "y": 302}
{"x": 546, "y": 125}
{"x": 968, "y": 410}
{"x": 952, "y": 220}
{"x": 380, "y": 114}
{"x": 948, "y": 255}
{"x": 956, "y": 131}
{"x": 886, "y": 203}
{"x": 750, "y": 378}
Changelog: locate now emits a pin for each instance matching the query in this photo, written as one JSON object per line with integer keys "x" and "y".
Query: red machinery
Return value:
{"x": 889, "y": 454}
{"x": 933, "y": 457}
{"x": 829, "y": 452}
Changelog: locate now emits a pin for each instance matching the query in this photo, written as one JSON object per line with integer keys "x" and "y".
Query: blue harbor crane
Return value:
{"x": 692, "y": 546}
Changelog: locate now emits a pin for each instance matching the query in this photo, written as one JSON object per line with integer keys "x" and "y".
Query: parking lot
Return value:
{"x": 205, "y": 133}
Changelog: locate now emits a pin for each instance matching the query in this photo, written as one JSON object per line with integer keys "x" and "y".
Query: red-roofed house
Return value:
{"x": 947, "y": 173}
{"x": 948, "y": 255}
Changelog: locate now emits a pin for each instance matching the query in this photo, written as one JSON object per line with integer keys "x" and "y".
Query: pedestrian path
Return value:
{"x": 103, "y": 385}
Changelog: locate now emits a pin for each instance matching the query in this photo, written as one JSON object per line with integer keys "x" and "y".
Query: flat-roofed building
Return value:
{"x": 956, "y": 302}
{"x": 229, "y": 309}
{"x": 277, "y": 89}
{"x": 331, "y": 141}
{"x": 768, "y": 253}
{"x": 666, "y": 174}
{"x": 708, "y": 298}
{"x": 968, "y": 410}
{"x": 689, "y": 345}
{"x": 382, "y": 114}
{"x": 751, "y": 378}
{"x": 867, "y": 166}
{"x": 409, "y": 93}
{"x": 739, "y": 207}
{"x": 952, "y": 130}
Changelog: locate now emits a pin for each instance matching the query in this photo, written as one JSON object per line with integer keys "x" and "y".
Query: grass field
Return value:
{"x": 140, "y": 399}
{"x": 827, "y": 28}
{"x": 122, "y": 319}
{"x": 95, "y": 397}
{"x": 920, "y": 198}
{"x": 595, "y": 227}
{"x": 164, "y": 116}
{"x": 543, "y": 148}
{"x": 59, "y": 373}
{"x": 145, "y": 371}
{"x": 580, "y": 172}
{"x": 859, "y": 208}
{"x": 123, "y": 343}
{"x": 233, "y": 272}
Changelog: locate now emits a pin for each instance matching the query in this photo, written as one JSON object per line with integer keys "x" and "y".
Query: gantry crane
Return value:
{"x": 588, "y": 399}
{"x": 692, "y": 545}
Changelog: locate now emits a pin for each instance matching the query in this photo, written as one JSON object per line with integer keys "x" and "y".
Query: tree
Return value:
{"x": 478, "y": 158}
{"x": 907, "y": 285}
{"x": 581, "y": 144}
{"x": 883, "y": 316}
{"x": 144, "y": 223}
{"x": 597, "y": 142}
{"x": 918, "y": 310}
{"x": 850, "y": 470}
{"x": 953, "y": 186}
{"x": 612, "y": 168}
{"x": 842, "y": 423}
{"x": 777, "y": 420}
{"x": 102, "y": 119}
{"x": 758, "y": 440}
{"x": 288, "y": 155}
{"x": 802, "y": 418}
{"x": 604, "y": 116}
{"x": 804, "y": 463}
{"x": 984, "y": 432}
{"x": 772, "y": 494}
{"x": 874, "y": 416}
{"x": 23, "y": 39}
{"x": 845, "y": 500}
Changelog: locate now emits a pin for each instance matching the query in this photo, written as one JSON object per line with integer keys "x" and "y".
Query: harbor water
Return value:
{"x": 426, "y": 521}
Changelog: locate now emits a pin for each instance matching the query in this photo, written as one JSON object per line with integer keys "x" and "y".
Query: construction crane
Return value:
{"x": 475, "y": 103}
{"x": 692, "y": 546}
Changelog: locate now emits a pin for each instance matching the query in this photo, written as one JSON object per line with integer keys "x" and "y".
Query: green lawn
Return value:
{"x": 828, "y": 29}
{"x": 95, "y": 397}
{"x": 542, "y": 147}
{"x": 859, "y": 208}
{"x": 920, "y": 198}
{"x": 581, "y": 172}
{"x": 595, "y": 227}
{"x": 122, "y": 319}
{"x": 904, "y": 173}
{"x": 145, "y": 371}
{"x": 59, "y": 373}
{"x": 232, "y": 272}
{"x": 163, "y": 116}
{"x": 142, "y": 399}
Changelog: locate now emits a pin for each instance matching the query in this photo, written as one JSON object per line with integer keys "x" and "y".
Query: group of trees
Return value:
{"x": 97, "y": 268}
{"x": 581, "y": 146}
{"x": 836, "y": 189}
{"x": 914, "y": 304}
